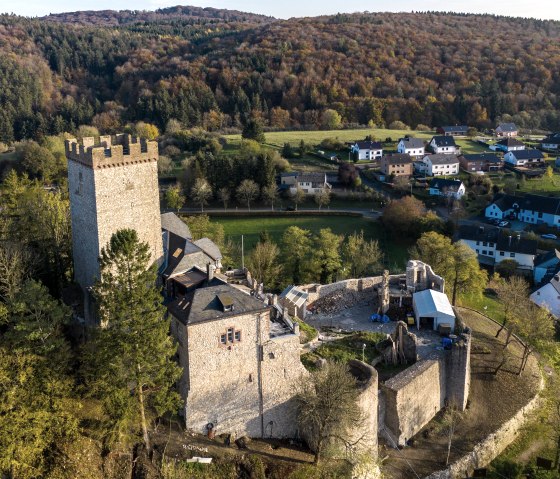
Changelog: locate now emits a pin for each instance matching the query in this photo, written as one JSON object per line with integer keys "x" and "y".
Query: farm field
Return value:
{"x": 395, "y": 252}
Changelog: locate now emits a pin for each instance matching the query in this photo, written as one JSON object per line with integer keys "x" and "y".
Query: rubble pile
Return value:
{"x": 339, "y": 300}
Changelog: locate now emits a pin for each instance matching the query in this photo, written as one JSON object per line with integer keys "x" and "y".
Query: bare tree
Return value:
{"x": 224, "y": 195}
{"x": 201, "y": 192}
{"x": 323, "y": 197}
{"x": 269, "y": 194}
{"x": 298, "y": 196}
{"x": 328, "y": 408}
{"x": 512, "y": 293}
{"x": 247, "y": 191}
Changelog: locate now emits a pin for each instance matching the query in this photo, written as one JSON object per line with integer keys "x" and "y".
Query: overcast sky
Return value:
{"x": 548, "y": 9}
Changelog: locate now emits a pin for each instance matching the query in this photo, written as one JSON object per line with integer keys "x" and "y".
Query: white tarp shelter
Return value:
{"x": 432, "y": 308}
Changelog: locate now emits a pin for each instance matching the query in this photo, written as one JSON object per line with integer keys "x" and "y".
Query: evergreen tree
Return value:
{"x": 130, "y": 363}
{"x": 253, "y": 130}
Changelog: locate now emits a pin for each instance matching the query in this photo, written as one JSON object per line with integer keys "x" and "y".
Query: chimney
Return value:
{"x": 210, "y": 272}
{"x": 274, "y": 300}
{"x": 509, "y": 240}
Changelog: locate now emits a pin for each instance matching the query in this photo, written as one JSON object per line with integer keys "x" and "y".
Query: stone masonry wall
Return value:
{"x": 282, "y": 370}
{"x": 412, "y": 398}
{"x": 362, "y": 284}
{"x": 224, "y": 380}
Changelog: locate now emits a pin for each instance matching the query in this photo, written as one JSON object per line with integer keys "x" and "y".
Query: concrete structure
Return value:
{"x": 441, "y": 164}
{"x": 480, "y": 162}
{"x": 399, "y": 164}
{"x": 367, "y": 150}
{"x": 447, "y": 188}
{"x": 524, "y": 158}
{"x": 240, "y": 363}
{"x": 432, "y": 309}
{"x": 112, "y": 184}
{"x": 411, "y": 146}
{"x": 506, "y": 130}
{"x": 493, "y": 246}
{"x": 444, "y": 145}
{"x": 548, "y": 296}
{"x": 533, "y": 209}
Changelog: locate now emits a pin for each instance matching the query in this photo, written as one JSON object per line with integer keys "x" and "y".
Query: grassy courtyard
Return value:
{"x": 395, "y": 250}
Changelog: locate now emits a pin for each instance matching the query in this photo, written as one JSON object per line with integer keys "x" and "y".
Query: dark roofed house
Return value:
{"x": 524, "y": 157}
{"x": 171, "y": 222}
{"x": 367, "y": 150}
{"x": 444, "y": 145}
{"x": 480, "y": 162}
{"x": 457, "y": 130}
{"x": 551, "y": 142}
{"x": 506, "y": 129}
{"x": 546, "y": 266}
{"x": 446, "y": 187}
{"x": 411, "y": 146}
{"x": 533, "y": 209}
{"x": 396, "y": 164}
{"x": 492, "y": 245}
{"x": 509, "y": 144}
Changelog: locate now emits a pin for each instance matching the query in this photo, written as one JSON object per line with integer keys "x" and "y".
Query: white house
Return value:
{"x": 447, "y": 188}
{"x": 532, "y": 209}
{"x": 546, "y": 265}
{"x": 548, "y": 296}
{"x": 309, "y": 183}
{"x": 411, "y": 146}
{"x": 441, "y": 165}
{"x": 444, "y": 145}
{"x": 432, "y": 309}
{"x": 367, "y": 150}
{"x": 524, "y": 157}
{"x": 506, "y": 129}
{"x": 508, "y": 144}
{"x": 494, "y": 246}
{"x": 551, "y": 142}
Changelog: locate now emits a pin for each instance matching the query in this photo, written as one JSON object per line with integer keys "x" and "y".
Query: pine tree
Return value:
{"x": 130, "y": 361}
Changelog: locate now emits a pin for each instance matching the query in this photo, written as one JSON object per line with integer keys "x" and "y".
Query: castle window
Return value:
{"x": 230, "y": 335}
{"x": 223, "y": 339}
{"x": 237, "y": 336}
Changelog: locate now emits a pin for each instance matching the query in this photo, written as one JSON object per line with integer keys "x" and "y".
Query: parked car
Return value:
{"x": 494, "y": 221}
{"x": 549, "y": 236}
{"x": 503, "y": 224}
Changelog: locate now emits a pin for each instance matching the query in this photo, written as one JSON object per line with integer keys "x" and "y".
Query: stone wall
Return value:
{"x": 366, "y": 285}
{"x": 412, "y": 398}
{"x": 282, "y": 370}
{"x": 459, "y": 372}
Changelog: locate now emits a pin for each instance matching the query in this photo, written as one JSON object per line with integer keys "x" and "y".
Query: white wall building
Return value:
{"x": 411, "y": 146}
{"x": 548, "y": 296}
{"x": 441, "y": 164}
{"x": 367, "y": 150}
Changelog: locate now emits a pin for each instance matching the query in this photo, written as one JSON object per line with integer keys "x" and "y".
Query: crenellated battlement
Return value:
{"x": 110, "y": 151}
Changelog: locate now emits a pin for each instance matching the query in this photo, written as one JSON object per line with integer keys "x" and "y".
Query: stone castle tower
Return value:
{"x": 113, "y": 184}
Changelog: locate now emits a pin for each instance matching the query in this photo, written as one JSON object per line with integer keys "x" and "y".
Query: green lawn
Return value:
{"x": 487, "y": 304}
{"x": 395, "y": 251}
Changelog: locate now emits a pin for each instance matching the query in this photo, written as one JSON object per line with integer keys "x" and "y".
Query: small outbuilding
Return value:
{"x": 432, "y": 309}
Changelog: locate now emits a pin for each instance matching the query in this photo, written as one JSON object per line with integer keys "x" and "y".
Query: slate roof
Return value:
{"x": 544, "y": 258}
{"x": 553, "y": 138}
{"x": 203, "y": 305}
{"x": 507, "y": 127}
{"x": 527, "y": 154}
{"x": 503, "y": 241}
{"x": 514, "y": 244}
{"x": 184, "y": 255}
{"x": 312, "y": 178}
{"x": 441, "y": 183}
{"x": 369, "y": 145}
{"x": 441, "y": 159}
{"x": 442, "y": 140}
{"x": 209, "y": 247}
{"x": 455, "y": 129}
{"x": 488, "y": 157}
{"x": 397, "y": 158}
{"x": 509, "y": 142}
{"x": 412, "y": 143}
{"x": 171, "y": 222}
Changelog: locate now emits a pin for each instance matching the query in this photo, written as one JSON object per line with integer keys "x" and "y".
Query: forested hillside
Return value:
{"x": 216, "y": 69}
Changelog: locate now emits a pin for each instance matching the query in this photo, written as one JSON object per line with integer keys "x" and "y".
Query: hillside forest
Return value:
{"x": 217, "y": 69}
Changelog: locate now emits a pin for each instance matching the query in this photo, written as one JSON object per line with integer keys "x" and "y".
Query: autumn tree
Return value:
{"x": 326, "y": 258}
{"x": 512, "y": 293}
{"x": 224, "y": 195}
{"x": 146, "y": 130}
{"x": 129, "y": 363}
{"x": 175, "y": 198}
{"x": 164, "y": 165}
{"x": 323, "y": 197}
{"x": 328, "y": 408}
{"x": 403, "y": 216}
{"x": 264, "y": 264}
{"x": 201, "y": 192}
{"x": 247, "y": 192}
{"x": 297, "y": 196}
{"x": 331, "y": 120}
{"x": 269, "y": 194}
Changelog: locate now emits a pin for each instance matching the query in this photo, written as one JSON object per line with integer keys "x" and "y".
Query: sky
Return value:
{"x": 545, "y": 9}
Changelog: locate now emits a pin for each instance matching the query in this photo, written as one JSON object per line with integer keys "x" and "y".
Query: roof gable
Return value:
{"x": 443, "y": 140}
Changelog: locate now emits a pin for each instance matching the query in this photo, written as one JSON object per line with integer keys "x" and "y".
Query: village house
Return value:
{"x": 524, "y": 158}
{"x": 411, "y": 146}
{"x": 396, "y": 164}
{"x": 546, "y": 266}
{"x": 367, "y": 150}
{"x": 494, "y": 246}
{"x": 548, "y": 296}
{"x": 506, "y": 129}
{"x": 439, "y": 165}
{"x": 480, "y": 162}
{"x": 508, "y": 144}
{"x": 444, "y": 145}
{"x": 457, "y": 130}
{"x": 447, "y": 188}
{"x": 532, "y": 209}
{"x": 309, "y": 183}
{"x": 551, "y": 142}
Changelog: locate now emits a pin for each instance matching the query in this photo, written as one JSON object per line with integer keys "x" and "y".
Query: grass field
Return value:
{"x": 395, "y": 251}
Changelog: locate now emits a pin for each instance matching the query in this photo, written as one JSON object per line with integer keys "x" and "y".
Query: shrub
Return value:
{"x": 398, "y": 125}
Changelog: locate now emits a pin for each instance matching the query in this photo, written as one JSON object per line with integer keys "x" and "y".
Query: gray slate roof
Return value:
{"x": 202, "y": 305}
{"x": 209, "y": 247}
{"x": 444, "y": 140}
{"x": 441, "y": 159}
{"x": 369, "y": 145}
{"x": 510, "y": 142}
{"x": 455, "y": 129}
{"x": 412, "y": 142}
{"x": 397, "y": 158}
{"x": 527, "y": 154}
{"x": 441, "y": 183}
{"x": 488, "y": 157}
{"x": 503, "y": 241}
{"x": 507, "y": 127}
{"x": 171, "y": 222}
{"x": 544, "y": 204}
